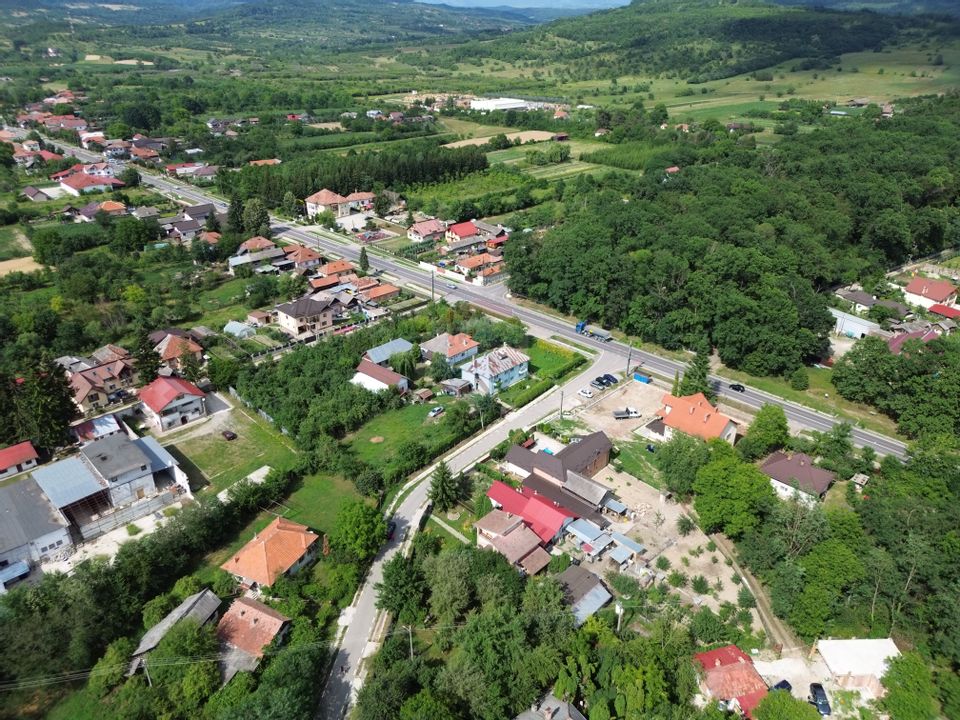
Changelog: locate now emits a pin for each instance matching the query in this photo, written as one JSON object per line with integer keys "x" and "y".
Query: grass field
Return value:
{"x": 13, "y": 243}
{"x": 473, "y": 185}
{"x": 214, "y": 460}
{"x": 634, "y": 459}
{"x": 546, "y": 357}
{"x": 394, "y": 428}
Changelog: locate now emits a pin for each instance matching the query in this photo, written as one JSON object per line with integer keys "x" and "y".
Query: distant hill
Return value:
{"x": 696, "y": 40}
{"x": 894, "y": 7}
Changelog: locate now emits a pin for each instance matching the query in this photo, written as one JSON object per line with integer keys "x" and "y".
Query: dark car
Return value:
{"x": 229, "y": 435}
{"x": 818, "y": 698}
{"x": 783, "y": 685}
{"x": 391, "y": 529}
{"x": 611, "y": 380}
{"x": 598, "y": 383}
{"x": 737, "y": 387}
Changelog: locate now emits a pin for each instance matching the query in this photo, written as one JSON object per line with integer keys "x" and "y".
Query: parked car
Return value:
{"x": 585, "y": 392}
{"x": 438, "y": 410}
{"x": 391, "y": 529}
{"x": 603, "y": 381}
{"x": 783, "y": 685}
{"x": 818, "y": 698}
{"x": 627, "y": 412}
{"x": 737, "y": 387}
{"x": 229, "y": 435}
{"x": 611, "y": 380}
{"x": 598, "y": 384}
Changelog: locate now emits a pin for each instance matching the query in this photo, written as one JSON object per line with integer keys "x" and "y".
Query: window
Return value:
{"x": 59, "y": 543}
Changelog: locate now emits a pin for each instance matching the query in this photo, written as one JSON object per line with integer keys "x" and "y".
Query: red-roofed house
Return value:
{"x": 17, "y": 459}
{"x": 896, "y": 343}
{"x": 537, "y": 512}
{"x": 426, "y": 231}
{"x": 170, "y": 402}
{"x": 951, "y": 313}
{"x": 173, "y": 348}
{"x": 461, "y": 232}
{"x": 144, "y": 154}
{"x": 476, "y": 263}
{"x": 729, "y": 675}
{"x": 281, "y": 548}
{"x": 376, "y": 378}
{"x": 926, "y": 292}
{"x": 327, "y": 200}
{"x": 455, "y": 349}
{"x": 694, "y": 415}
{"x": 336, "y": 268}
{"x": 381, "y": 293}
{"x": 246, "y": 629}
{"x": 360, "y": 200}
{"x": 302, "y": 257}
{"x": 322, "y": 283}
{"x": 79, "y": 183}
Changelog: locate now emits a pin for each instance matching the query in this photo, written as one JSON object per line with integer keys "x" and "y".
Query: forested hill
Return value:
{"x": 890, "y": 7}
{"x": 741, "y": 247}
{"x": 695, "y": 40}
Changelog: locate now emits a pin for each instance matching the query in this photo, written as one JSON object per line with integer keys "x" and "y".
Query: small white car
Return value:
{"x": 436, "y": 411}
{"x": 585, "y": 392}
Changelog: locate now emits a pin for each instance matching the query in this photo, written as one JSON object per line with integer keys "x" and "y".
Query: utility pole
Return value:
{"x": 146, "y": 671}
{"x": 629, "y": 358}
{"x": 561, "y": 404}
{"x": 410, "y": 637}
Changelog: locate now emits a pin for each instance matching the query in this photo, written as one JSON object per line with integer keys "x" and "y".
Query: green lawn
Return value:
{"x": 377, "y": 442}
{"x": 546, "y": 357}
{"x": 634, "y": 459}
{"x": 219, "y": 462}
{"x": 13, "y": 243}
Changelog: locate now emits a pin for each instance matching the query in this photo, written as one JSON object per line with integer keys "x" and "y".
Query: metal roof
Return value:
{"x": 67, "y": 481}
{"x": 584, "y": 530}
{"x": 597, "y": 546}
{"x": 626, "y": 542}
{"x": 586, "y": 488}
{"x": 114, "y": 455}
{"x": 620, "y": 554}
{"x": 159, "y": 458}
{"x": 615, "y": 505}
{"x": 199, "y": 607}
{"x": 13, "y": 571}
{"x": 382, "y": 353}
{"x": 25, "y": 514}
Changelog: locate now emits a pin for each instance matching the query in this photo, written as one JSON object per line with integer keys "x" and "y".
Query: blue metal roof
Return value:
{"x": 615, "y": 505}
{"x": 67, "y": 481}
{"x": 596, "y": 546}
{"x": 384, "y": 352}
{"x": 595, "y": 599}
{"x": 620, "y": 554}
{"x": 624, "y": 541}
{"x": 159, "y": 458}
{"x": 13, "y": 571}
{"x": 584, "y": 530}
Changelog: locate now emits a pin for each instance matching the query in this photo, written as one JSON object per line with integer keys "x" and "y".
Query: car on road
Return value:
{"x": 737, "y": 387}
{"x": 438, "y": 410}
{"x": 611, "y": 380}
{"x": 229, "y": 435}
{"x": 452, "y": 286}
{"x": 391, "y": 529}
{"x": 585, "y": 392}
{"x": 818, "y": 698}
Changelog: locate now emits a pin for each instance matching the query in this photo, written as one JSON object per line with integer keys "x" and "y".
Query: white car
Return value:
{"x": 436, "y": 411}
{"x": 585, "y": 392}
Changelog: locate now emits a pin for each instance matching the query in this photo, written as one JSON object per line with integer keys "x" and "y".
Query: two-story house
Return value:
{"x": 124, "y": 467}
{"x": 455, "y": 349}
{"x": 496, "y": 371}
{"x": 101, "y": 379}
{"x": 306, "y": 316}
{"x": 427, "y": 231}
{"x": 170, "y": 402}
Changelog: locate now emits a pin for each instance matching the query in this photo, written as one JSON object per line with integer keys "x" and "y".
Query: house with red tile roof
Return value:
{"x": 377, "y": 378}
{"x": 79, "y": 183}
{"x": 951, "y": 313}
{"x": 896, "y": 343}
{"x": 17, "y": 459}
{"x": 694, "y": 415}
{"x": 327, "y": 201}
{"x": 427, "y": 231}
{"x": 172, "y": 348}
{"x": 302, "y": 257}
{"x": 336, "y": 268}
{"x": 476, "y": 263}
{"x": 381, "y": 293}
{"x": 728, "y": 674}
{"x": 281, "y": 548}
{"x": 170, "y": 402}
{"x": 462, "y": 236}
{"x": 455, "y": 349}
{"x": 544, "y": 517}
{"x": 927, "y": 292}
{"x": 245, "y": 631}
{"x": 100, "y": 379}
{"x": 144, "y": 154}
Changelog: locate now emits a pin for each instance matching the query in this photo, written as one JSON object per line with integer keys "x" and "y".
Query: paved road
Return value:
{"x": 356, "y": 641}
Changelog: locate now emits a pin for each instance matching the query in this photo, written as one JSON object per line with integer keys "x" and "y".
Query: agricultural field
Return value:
{"x": 470, "y": 186}
{"x": 13, "y": 243}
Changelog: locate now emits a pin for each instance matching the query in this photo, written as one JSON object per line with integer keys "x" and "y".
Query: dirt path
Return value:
{"x": 22, "y": 240}
{"x": 778, "y": 632}
{"x": 24, "y": 264}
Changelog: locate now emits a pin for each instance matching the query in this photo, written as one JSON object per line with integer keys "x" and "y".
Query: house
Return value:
{"x": 462, "y": 236}
{"x": 144, "y": 154}
{"x": 173, "y": 348}
{"x": 862, "y": 302}
{"x": 17, "y": 459}
{"x": 80, "y": 183}
{"x": 927, "y": 292}
{"x": 31, "y": 528}
{"x": 584, "y": 456}
{"x": 359, "y": 200}
{"x": 260, "y": 318}
{"x": 693, "y": 415}
{"x": 728, "y": 675}
{"x": 376, "y": 378}
{"x": 859, "y": 664}
{"x": 951, "y": 313}
{"x": 473, "y": 264}
{"x": 199, "y": 608}
{"x": 544, "y": 517}
{"x": 281, "y": 548}
{"x": 381, "y": 293}
{"x": 336, "y": 268}
{"x": 303, "y": 258}
{"x": 123, "y": 465}
{"x": 245, "y": 631}
{"x": 324, "y": 283}
{"x": 306, "y": 317}
{"x": 254, "y": 258}
{"x": 496, "y": 371}
{"x": 96, "y": 428}
{"x": 239, "y": 330}
{"x": 381, "y": 354}
{"x": 897, "y": 342}
{"x": 327, "y": 201}
{"x": 110, "y": 208}
{"x": 101, "y": 379}
{"x": 427, "y": 231}
{"x": 551, "y": 708}
{"x": 793, "y": 473}
{"x": 583, "y": 591}
{"x": 35, "y": 194}
{"x": 455, "y": 349}
{"x": 508, "y": 535}
{"x": 170, "y": 402}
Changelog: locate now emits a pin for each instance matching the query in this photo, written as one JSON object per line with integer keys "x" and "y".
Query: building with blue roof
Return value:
{"x": 381, "y": 354}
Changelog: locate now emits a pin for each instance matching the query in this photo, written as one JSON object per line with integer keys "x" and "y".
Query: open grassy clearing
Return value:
{"x": 471, "y": 129}
{"x": 633, "y": 457}
{"x": 469, "y": 186}
{"x": 564, "y": 170}
{"x": 378, "y": 441}
{"x": 545, "y": 357}
{"x": 13, "y": 243}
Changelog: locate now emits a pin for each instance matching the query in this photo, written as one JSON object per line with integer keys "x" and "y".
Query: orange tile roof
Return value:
{"x": 460, "y": 343}
{"x": 937, "y": 290}
{"x": 164, "y": 390}
{"x": 300, "y": 254}
{"x": 380, "y": 291}
{"x": 693, "y": 415}
{"x": 250, "y": 625}
{"x": 173, "y": 347}
{"x": 257, "y": 242}
{"x": 476, "y": 261}
{"x": 271, "y": 553}
{"x": 326, "y": 197}
{"x": 336, "y": 267}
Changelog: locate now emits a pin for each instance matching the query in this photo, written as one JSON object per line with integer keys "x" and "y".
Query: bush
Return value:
{"x": 745, "y": 598}
{"x": 558, "y": 563}
{"x": 133, "y": 529}
{"x": 799, "y": 380}
{"x": 677, "y": 579}
{"x": 700, "y": 585}
{"x": 663, "y": 563}
{"x": 685, "y": 525}
{"x": 111, "y": 669}
{"x": 531, "y": 393}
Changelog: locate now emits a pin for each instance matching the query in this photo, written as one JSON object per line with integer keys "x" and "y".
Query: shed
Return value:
{"x": 199, "y": 608}
{"x": 584, "y": 591}
{"x": 584, "y": 530}
{"x": 615, "y": 506}
{"x": 859, "y": 664}
{"x": 67, "y": 481}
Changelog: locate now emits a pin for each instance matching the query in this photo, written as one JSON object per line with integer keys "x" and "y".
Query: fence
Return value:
{"x": 125, "y": 515}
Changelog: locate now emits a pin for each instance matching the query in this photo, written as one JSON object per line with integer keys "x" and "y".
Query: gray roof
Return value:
{"x": 584, "y": 592}
{"x": 584, "y": 530}
{"x": 552, "y": 708}
{"x": 590, "y": 490}
{"x": 255, "y": 256}
{"x": 620, "y": 554}
{"x": 115, "y": 455}
{"x": 304, "y": 307}
{"x": 158, "y": 456}
{"x": 571, "y": 502}
{"x": 199, "y": 607}
{"x": 25, "y": 514}
{"x": 624, "y": 541}
{"x": 382, "y": 353}
{"x": 579, "y": 455}
{"x": 67, "y": 481}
